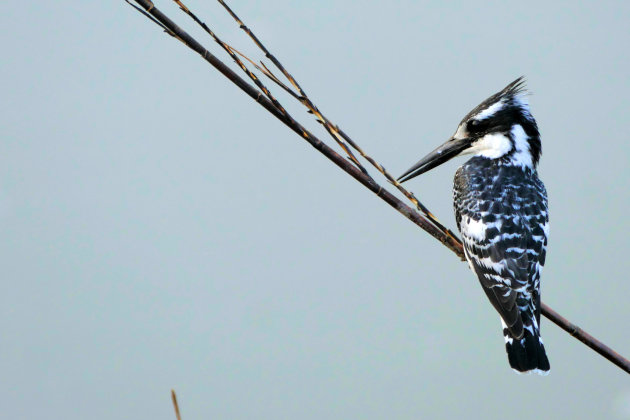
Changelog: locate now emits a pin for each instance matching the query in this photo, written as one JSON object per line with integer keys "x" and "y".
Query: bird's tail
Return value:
{"x": 526, "y": 354}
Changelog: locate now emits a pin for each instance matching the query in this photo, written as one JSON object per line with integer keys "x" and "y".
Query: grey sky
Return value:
{"x": 160, "y": 230}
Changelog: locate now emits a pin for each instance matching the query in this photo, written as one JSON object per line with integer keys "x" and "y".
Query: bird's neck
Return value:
{"x": 494, "y": 167}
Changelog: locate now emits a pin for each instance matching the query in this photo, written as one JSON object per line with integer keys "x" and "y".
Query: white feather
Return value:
{"x": 492, "y": 146}
{"x": 536, "y": 371}
{"x": 508, "y": 339}
{"x": 490, "y": 111}
{"x": 474, "y": 229}
{"x": 545, "y": 229}
{"x": 522, "y": 155}
{"x": 522, "y": 100}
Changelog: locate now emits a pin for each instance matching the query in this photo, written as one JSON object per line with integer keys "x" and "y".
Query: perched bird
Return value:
{"x": 501, "y": 213}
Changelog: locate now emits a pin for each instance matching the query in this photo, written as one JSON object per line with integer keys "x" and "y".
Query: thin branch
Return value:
{"x": 335, "y": 130}
{"x": 323, "y": 148}
{"x": 586, "y": 338}
{"x": 258, "y": 82}
{"x": 426, "y": 224}
{"x": 175, "y": 404}
{"x": 303, "y": 98}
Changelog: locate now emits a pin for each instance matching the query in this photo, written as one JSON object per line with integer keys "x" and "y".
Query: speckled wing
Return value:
{"x": 503, "y": 226}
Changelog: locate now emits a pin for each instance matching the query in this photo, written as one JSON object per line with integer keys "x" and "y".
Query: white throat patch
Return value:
{"x": 492, "y": 146}
{"x": 496, "y": 145}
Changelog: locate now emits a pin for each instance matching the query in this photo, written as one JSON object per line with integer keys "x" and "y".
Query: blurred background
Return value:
{"x": 161, "y": 230}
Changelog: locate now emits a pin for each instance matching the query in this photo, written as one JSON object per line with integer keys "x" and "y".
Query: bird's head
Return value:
{"x": 501, "y": 128}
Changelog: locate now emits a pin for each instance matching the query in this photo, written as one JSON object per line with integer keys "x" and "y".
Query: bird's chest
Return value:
{"x": 490, "y": 192}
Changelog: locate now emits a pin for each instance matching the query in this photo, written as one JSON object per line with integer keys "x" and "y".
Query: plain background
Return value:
{"x": 160, "y": 230}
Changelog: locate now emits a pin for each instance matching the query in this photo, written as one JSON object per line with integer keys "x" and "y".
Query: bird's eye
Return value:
{"x": 475, "y": 126}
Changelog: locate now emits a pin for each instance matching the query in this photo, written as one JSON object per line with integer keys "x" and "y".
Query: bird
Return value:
{"x": 502, "y": 214}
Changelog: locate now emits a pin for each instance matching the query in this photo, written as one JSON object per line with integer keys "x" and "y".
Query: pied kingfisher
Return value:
{"x": 501, "y": 213}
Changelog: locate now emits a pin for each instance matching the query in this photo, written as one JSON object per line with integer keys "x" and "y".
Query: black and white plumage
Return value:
{"x": 501, "y": 213}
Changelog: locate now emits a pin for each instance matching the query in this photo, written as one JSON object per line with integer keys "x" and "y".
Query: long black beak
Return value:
{"x": 443, "y": 153}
